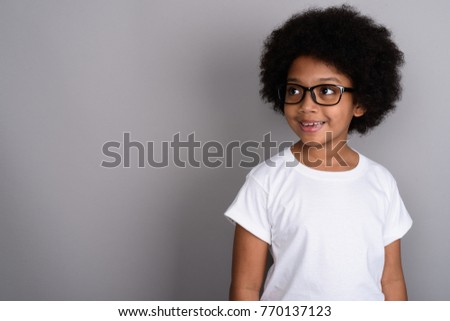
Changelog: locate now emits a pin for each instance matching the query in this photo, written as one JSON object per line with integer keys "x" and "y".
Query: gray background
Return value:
{"x": 76, "y": 74}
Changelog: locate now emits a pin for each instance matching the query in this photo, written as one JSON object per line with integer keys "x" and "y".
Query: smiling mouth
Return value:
{"x": 312, "y": 124}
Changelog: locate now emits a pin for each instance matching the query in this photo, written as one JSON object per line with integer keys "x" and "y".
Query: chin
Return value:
{"x": 317, "y": 143}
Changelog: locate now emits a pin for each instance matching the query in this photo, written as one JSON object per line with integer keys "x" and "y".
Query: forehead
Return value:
{"x": 309, "y": 71}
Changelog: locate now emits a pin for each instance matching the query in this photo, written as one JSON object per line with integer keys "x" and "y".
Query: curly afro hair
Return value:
{"x": 352, "y": 43}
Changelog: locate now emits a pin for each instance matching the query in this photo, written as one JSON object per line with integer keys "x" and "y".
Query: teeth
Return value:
{"x": 313, "y": 124}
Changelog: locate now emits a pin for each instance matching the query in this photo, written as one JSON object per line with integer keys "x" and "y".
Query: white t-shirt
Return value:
{"x": 327, "y": 230}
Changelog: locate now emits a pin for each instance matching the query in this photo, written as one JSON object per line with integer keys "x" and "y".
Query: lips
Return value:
{"x": 311, "y": 126}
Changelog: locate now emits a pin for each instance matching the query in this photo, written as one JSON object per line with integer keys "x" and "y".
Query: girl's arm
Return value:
{"x": 249, "y": 263}
{"x": 392, "y": 281}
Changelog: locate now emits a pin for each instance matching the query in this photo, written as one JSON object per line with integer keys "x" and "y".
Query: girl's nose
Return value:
{"x": 308, "y": 104}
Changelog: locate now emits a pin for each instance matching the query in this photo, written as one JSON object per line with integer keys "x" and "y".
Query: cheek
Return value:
{"x": 291, "y": 118}
{"x": 289, "y": 112}
{"x": 342, "y": 115}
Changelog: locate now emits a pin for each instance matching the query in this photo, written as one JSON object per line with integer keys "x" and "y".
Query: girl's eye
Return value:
{"x": 327, "y": 90}
{"x": 292, "y": 91}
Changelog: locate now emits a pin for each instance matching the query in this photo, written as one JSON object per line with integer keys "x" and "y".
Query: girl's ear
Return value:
{"x": 358, "y": 111}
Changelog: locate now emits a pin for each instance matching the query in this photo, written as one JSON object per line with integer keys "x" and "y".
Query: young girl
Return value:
{"x": 331, "y": 218}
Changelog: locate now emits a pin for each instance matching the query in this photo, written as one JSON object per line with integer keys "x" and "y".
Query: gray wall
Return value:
{"x": 77, "y": 74}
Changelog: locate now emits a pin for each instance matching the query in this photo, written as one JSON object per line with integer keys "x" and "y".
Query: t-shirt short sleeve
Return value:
{"x": 398, "y": 221}
{"x": 249, "y": 210}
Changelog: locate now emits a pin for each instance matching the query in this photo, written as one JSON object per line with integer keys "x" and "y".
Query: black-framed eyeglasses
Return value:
{"x": 323, "y": 94}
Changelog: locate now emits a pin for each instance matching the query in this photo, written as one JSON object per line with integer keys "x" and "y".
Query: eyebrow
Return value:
{"x": 333, "y": 79}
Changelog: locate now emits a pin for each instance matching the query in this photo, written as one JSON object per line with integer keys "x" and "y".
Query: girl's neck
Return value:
{"x": 328, "y": 157}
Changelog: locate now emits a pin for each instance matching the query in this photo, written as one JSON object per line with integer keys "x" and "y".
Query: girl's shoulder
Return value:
{"x": 376, "y": 171}
{"x": 274, "y": 168}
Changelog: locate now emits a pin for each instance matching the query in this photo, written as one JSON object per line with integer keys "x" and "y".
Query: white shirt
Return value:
{"x": 327, "y": 230}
